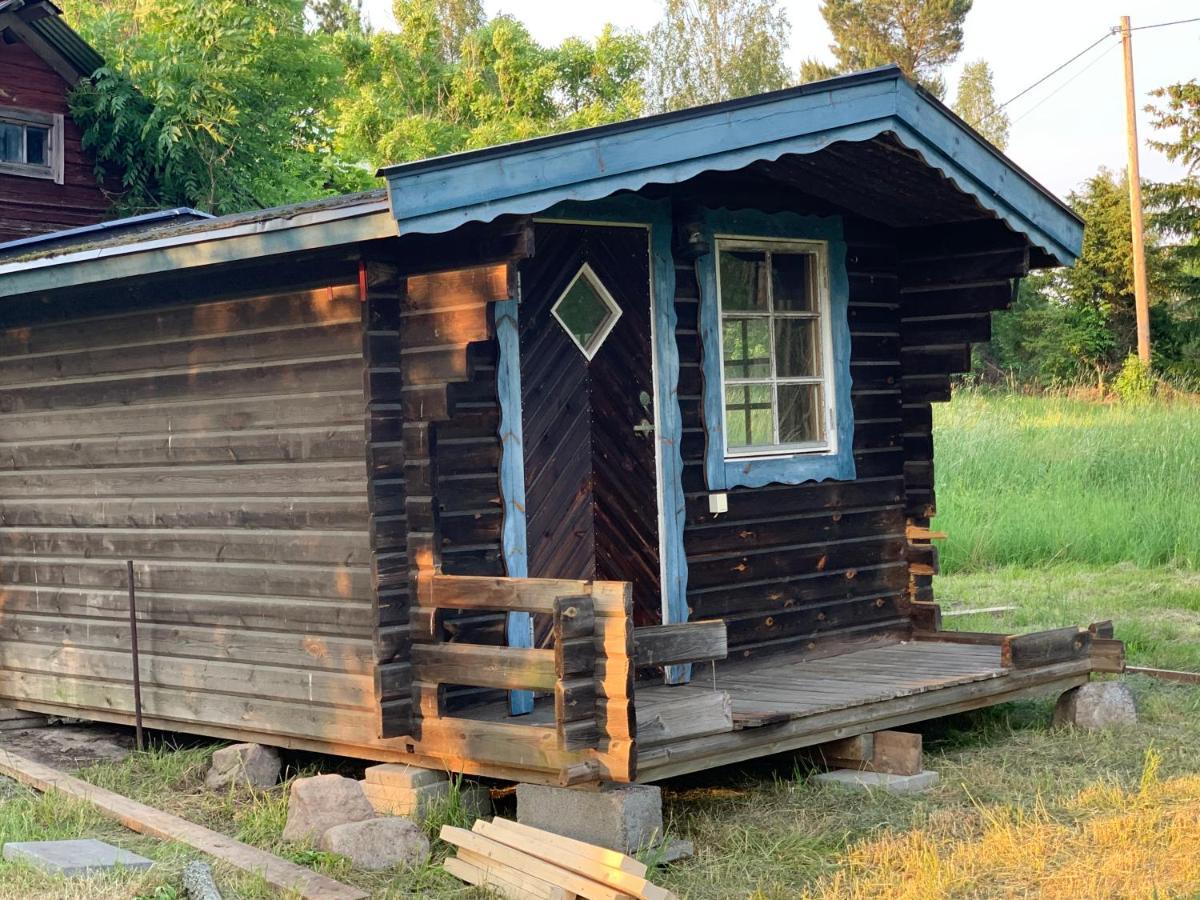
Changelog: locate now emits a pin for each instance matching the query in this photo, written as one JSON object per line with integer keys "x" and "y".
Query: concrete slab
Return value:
{"x": 73, "y": 858}
{"x": 622, "y": 817}
{"x": 857, "y": 779}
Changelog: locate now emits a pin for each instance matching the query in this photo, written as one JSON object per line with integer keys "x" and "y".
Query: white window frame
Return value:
{"x": 614, "y": 309}
{"x": 53, "y": 122}
{"x": 823, "y": 315}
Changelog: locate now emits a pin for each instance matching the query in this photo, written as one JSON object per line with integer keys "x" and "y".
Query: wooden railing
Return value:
{"x": 589, "y": 670}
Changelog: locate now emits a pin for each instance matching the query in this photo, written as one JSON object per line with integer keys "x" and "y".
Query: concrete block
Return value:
{"x": 622, "y": 817}
{"x": 416, "y": 802}
{"x": 396, "y": 775}
{"x": 1096, "y": 705}
{"x": 862, "y": 780}
{"x": 74, "y": 858}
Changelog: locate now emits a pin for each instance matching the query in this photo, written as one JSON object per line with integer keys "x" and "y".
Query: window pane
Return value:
{"x": 747, "y": 348}
{"x": 10, "y": 143}
{"x": 793, "y": 282}
{"x": 749, "y": 418}
{"x": 801, "y": 413}
{"x": 743, "y": 280}
{"x": 36, "y": 145}
{"x": 582, "y": 311}
{"x": 797, "y": 350}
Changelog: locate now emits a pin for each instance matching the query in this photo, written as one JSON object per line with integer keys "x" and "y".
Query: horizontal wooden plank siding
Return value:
{"x": 220, "y": 445}
{"x": 823, "y": 562}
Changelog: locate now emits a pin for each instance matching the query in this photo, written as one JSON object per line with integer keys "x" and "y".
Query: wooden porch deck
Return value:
{"x": 737, "y": 710}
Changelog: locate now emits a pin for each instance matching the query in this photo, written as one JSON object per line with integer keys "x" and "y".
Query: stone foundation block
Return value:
{"x": 1097, "y": 705}
{"x": 318, "y": 804}
{"x": 397, "y": 775}
{"x": 622, "y": 817}
{"x": 245, "y": 765}
{"x": 377, "y": 844}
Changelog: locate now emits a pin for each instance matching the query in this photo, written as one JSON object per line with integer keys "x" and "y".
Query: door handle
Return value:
{"x": 643, "y": 427}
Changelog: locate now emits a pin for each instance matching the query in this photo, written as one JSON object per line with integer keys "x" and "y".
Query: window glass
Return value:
{"x": 587, "y": 311}
{"x": 747, "y": 348}
{"x": 11, "y": 143}
{"x": 749, "y": 415}
{"x": 37, "y": 145}
{"x": 797, "y": 346}
{"x": 744, "y": 281}
{"x": 792, "y": 281}
{"x": 773, "y": 333}
{"x": 800, "y": 414}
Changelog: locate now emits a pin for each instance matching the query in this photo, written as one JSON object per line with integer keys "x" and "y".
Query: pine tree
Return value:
{"x": 332, "y": 16}
{"x": 703, "y": 51}
{"x": 920, "y": 36}
{"x": 976, "y": 103}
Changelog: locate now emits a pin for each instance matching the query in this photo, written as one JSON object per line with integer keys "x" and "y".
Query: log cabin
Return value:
{"x": 47, "y": 178}
{"x": 604, "y": 456}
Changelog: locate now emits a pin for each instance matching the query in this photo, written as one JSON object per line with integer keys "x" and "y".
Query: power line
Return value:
{"x": 1103, "y": 55}
{"x": 1112, "y": 32}
{"x": 1056, "y": 70}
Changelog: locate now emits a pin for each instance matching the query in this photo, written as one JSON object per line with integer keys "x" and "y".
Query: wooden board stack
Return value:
{"x": 524, "y": 863}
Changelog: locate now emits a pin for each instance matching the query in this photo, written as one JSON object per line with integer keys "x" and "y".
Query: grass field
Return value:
{"x": 1067, "y": 511}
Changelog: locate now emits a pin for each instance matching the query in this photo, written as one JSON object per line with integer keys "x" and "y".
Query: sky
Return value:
{"x": 1062, "y": 132}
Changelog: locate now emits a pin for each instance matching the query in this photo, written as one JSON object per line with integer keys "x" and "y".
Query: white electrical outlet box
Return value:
{"x": 718, "y": 503}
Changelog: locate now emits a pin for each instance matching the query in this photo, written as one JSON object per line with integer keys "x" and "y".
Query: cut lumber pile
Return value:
{"x": 524, "y": 863}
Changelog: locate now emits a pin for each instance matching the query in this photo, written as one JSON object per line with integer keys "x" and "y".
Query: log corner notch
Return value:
{"x": 428, "y": 330}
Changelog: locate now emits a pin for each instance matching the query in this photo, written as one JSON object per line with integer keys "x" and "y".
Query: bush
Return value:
{"x": 1134, "y": 383}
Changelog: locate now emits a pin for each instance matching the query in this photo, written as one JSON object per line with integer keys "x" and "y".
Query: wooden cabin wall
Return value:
{"x": 951, "y": 280}
{"x": 816, "y": 564}
{"x": 218, "y": 443}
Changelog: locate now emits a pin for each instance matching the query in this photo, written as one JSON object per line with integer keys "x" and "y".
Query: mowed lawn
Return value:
{"x": 1071, "y": 512}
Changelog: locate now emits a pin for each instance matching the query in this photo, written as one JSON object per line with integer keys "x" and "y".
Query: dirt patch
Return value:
{"x": 70, "y": 747}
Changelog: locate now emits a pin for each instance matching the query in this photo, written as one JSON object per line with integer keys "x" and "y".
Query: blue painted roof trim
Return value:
{"x": 439, "y": 194}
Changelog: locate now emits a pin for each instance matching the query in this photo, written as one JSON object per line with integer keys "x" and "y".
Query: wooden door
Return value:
{"x": 587, "y": 385}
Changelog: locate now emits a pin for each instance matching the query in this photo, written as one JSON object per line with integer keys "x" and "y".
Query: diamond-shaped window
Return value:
{"x": 587, "y": 311}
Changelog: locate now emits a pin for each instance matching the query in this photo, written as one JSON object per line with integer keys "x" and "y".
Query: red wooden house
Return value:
{"x": 47, "y": 181}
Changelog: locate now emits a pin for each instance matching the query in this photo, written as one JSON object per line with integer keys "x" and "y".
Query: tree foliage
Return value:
{"x": 704, "y": 51}
{"x": 1175, "y": 206}
{"x": 406, "y": 96}
{"x": 976, "y": 103}
{"x": 209, "y": 103}
{"x": 920, "y": 36}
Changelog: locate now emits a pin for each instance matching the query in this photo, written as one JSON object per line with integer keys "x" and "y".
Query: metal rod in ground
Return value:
{"x": 137, "y": 669}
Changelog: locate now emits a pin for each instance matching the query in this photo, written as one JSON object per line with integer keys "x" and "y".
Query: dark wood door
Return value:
{"x": 590, "y": 470}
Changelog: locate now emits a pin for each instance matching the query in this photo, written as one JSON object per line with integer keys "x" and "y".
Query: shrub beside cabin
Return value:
{"x": 47, "y": 181}
{"x": 602, "y": 456}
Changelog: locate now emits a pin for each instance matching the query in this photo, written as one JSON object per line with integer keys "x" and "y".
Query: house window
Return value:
{"x": 586, "y": 311}
{"x": 30, "y": 144}
{"x": 776, "y": 347}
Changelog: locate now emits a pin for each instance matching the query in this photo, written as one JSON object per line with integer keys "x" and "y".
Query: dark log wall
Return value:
{"x": 951, "y": 280}
{"x": 30, "y": 206}
{"x": 219, "y": 445}
{"x": 815, "y": 564}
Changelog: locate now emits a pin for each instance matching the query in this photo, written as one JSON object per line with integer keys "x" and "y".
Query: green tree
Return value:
{"x": 920, "y": 36}
{"x": 209, "y": 103}
{"x": 976, "y": 103}
{"x": 703, "y": 51}
{"x": 1175, "y": 206}
{"x": 332, "y": 16}
{"x": 405, "y": 97}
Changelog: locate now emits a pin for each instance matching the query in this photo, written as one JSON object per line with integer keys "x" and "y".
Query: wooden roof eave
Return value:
{"x": 440, "y": 194}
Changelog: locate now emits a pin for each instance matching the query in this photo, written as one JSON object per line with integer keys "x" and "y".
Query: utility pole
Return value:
{"x": 1141, "y": 300}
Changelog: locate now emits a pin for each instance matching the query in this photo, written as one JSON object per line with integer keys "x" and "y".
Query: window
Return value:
{"x": 30, "y": 144}
{"x": 587, "y": 311}
{"x": 775, "y": 347}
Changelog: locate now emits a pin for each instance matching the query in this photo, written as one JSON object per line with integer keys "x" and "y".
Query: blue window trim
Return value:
{"x": 655, "y": 215}
{"x": 724, "y": 473}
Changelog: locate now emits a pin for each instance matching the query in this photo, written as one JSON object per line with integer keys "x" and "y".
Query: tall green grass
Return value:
{"x": 1031, "y": 480}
